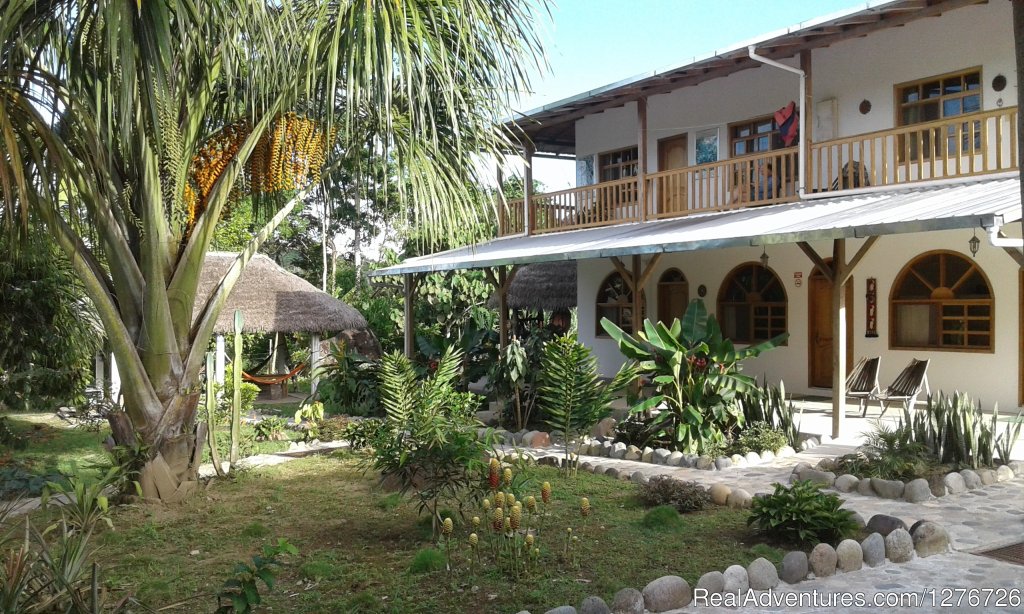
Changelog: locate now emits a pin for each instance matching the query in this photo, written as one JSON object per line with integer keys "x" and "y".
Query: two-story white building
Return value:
{"x": 869, "y": 218}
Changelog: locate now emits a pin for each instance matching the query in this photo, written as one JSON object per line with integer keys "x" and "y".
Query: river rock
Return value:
{"x": 849, "y": 556}
{"x": 661, "y": 456}
{"x": 954, "y": 483}
{"x": 1004, "y": 473}
{"x": 1017, "y": 467}
{"x": 639, "y": 477}
{"x": 739, "y": 499}
{"x": 884, "y": 525}
{"x": 667, "y": 593}
{"x": 674, "y": 459}
{"x": 628, "y": 601}
{"x": 864, "y": 488}
{"x": 846, "y": 483}
{"x": 794, "y": 567}
{"x": 785, "y": 452}
{"x": 647, "y": 456}
{"x": 719, "y": 494}
{"x": 917, "y": 490}
{"x": 823, "y": 478}
{"x": 705, "y": 463}
{"x": 723, "y": 463}
{"x": 859, "y": 520}
{"x": 618, "y": 450}
{"x": 736, "y": 579}
{"x": 594, "y": 605}
{"x": 971, "y": 479}
{"x": 633, "y": 453}
{"x": 888, "y": 489}
{"x": 562, "y": 609}
{"x": 987, "y": 476}
{"x": 873, "y": 548}
{"x": 767, "y": 456}
{"x": 753, "y": 458}
{"x": 823, "y": 560}
{"x": 899, "y": 546}
{"x": 762, "y": 575}
{"x": 930, "y": 538}
{"x": 713, "y": 582}
{"x": 604, "y": 428}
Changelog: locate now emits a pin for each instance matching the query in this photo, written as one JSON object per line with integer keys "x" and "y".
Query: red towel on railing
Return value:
{"x": 788, "y": 120}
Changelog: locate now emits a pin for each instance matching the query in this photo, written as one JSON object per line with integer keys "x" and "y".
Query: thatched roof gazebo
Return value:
{"x": 545, "y": 286}
{"x": 272, "y": 300}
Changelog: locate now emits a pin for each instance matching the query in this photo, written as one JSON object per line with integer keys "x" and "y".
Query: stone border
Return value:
{"x": 914, "y": 491}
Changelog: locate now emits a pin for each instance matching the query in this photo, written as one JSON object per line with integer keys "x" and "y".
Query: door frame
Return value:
{"x": 816, "y": 274}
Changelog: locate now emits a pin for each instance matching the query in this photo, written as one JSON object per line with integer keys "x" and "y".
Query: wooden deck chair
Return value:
{"x": 907, "y": 386}
{"x": 862, "y": 383}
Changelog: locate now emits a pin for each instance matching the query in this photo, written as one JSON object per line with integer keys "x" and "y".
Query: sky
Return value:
{"x": 591, "y": 43}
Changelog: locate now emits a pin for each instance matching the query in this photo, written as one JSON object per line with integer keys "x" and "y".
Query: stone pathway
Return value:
{"x": 980, "y": 519}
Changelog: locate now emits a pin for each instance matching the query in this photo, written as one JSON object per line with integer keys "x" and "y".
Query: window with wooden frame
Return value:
{"x": 752, "y": 304}
{"x": 937, "y": 98}
{"x": 754, "y": 136}
{"x": 618, "y": 164}
{"x": 942, "y": 300}
{"x": 615, "y": 302}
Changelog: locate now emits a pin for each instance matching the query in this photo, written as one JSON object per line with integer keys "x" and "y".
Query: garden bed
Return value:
{"x": 356, "y": 545}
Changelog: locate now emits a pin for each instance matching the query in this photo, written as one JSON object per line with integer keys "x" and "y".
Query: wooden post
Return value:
{"x": 529, "y": 214}
{"x": 221, "y": 359}
{"x": 641, "y": 163}
{"x": 236, "y": 398}
{"x": 807, "y": 120}
{"x": 839, "y": 277}
{"x": 637, "y": 274}
{"x": 410, "y": 332}
{"x": 314, "y": 362}
{"x": 502, "y": 205}
{"x": 502, "y": 288}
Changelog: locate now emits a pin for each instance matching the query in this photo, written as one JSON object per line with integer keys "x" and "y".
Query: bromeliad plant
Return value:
{"x": 697, "y": 374}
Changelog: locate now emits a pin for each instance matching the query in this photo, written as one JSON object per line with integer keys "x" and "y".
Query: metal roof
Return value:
{"x": 552, "y": 127}
{"x": 970, "y": 204}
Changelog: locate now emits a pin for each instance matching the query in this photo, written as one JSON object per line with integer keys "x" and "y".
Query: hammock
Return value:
{"x": 272, "y": 380}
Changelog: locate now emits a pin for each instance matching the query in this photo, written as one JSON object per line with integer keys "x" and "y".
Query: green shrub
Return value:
{"x": 332, "y": 429}
{"x": 888, "y": 453}
{"x": 348, "y": 384}
{"x": 768, "y": 404}
{"x": 360, "y": 433}
{"x": 427, "y": 560}
{"x": 759, "y": 436}
{"x": 255, "y": 529}
{"x": 683, "y": 496}
{"x": 802, "y": 513}
{"x": 954, "y": 430}
{"x": 270, "y": 428}
{"x": 662, "y": 518}
{"x": 15, "y": 481}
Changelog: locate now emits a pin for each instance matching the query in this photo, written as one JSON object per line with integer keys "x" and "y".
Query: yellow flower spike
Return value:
{"x": 536, "y": 552}
{"x": 584, "y": 507}
{"x": 516, "y": 516}
{"x": 497, "y": 519}
{"x": 473, "y": 540}
{"x": 487, "y": 505}
{"x": 499, "y": 499}
{"x": 568, "y": 530}
{"x": 448, "y": 526}
{"x": 545, "y": 492}
{"x": 508, "y": 524}
{"x": 510, "y": 499}
{"x": 476, "y": 522}
{"x": 529, "y": 540}
{"x": 507, "y": 476}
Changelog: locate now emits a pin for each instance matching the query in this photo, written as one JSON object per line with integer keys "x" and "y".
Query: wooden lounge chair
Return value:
{"x": 907, "y": 386}
{"x": 862, "y": 383}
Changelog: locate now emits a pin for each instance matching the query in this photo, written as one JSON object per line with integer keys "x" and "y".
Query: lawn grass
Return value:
{"x": 357, "y": 544}
{"x": 55, "y": 446}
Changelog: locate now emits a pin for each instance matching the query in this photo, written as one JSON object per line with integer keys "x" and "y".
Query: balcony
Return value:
{"x": 965, "y": 146}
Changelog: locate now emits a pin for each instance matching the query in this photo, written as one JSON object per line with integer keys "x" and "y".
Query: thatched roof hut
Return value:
{"x": 545, "y": 286}
{"x": 272, "y": 300}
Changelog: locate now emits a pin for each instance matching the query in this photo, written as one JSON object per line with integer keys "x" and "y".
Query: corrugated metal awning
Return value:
{"x": 973, "y": 204}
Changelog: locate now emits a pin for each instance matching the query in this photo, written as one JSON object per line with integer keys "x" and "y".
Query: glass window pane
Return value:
{"x": 930, "y": 111}
{"x": 743, "y": 131}
{"x": 972, "y": 104}
{"x": 951, "y": 107}
{"x": 763, "y": 143}
{"x": 739, "y": 148}
{"x": 973, "y": 81}
{"x": 912, "y": 326}
{"x": 910, "y": 94}
{"x": 765, "y": 126}
{"x": 953, "y": 85}
{"x": 932, "y": 89}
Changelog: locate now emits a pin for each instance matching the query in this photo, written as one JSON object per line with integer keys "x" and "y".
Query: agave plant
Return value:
{"x": 697, "y": 374}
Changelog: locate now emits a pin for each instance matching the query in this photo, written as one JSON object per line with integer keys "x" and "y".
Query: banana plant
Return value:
{"x": 696, "y": 371}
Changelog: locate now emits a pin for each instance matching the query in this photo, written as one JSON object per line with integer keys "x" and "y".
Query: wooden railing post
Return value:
{"x": 529, "y": 213}
{"x": 641, "y": 163}
{"x": 807, "y": 120}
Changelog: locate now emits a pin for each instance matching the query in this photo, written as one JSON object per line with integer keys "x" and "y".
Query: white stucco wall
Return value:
{"x": 990, "y": 377}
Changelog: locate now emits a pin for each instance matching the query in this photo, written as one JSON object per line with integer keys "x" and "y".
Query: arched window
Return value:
{"x": 615, "y": 302}
{"x": 673, "y": 295}
{"x": 752, "y": 304}
{"x": 942, "y": 300}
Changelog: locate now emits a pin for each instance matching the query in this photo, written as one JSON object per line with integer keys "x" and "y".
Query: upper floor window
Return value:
{"x": 941, "y": 300}
{"x": 615, "y": 302}
{"x": 754, "y": 135}
{"x": 752, "y": 304}
{"x": 617, "y": 164}
{"x": 938, "y": 98}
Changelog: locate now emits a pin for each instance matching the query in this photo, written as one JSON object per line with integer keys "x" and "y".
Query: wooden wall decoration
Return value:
{"x": 872, "y": 308}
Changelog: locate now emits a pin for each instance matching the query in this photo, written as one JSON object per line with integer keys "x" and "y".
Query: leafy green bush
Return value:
{"x": 348, "y": 384}
{"x": 513, "y": 378}
{"x": 768, "y": 404}
{"x": 332, "y": 429}
{"x": 427, "y": 560}
{"x": 697, "y": 372}
{"x": 802, "y": 513}
{"x": 955, "y": 431}
{"x": 240, "y": 593}
{"x": 888, "y": 453}
{"x": 683, "y": 496}
{"x": 759, "y": 436}
{"x": 572, "y": 395}
{"x": 428, "y": 443}
{"x": 662, "y": 518}
{"x": 270, "y": 428}
{"x": 360, "y": 433}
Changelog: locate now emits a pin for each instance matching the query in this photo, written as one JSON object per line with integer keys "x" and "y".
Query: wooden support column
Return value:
{"x": 502, "y": 282}
{"x": 314, "y": 362}
{"x": 838, "y": 336}
{"x": 807, "y": 121}
{"x": 641, "y": 163}
{"x": 637, "y": 273}
{"x": 529, "y": 214}
{"x": 410, "y": 329}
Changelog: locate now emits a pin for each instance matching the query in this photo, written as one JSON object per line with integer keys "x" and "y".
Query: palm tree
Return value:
{"x": 129, "y": 128}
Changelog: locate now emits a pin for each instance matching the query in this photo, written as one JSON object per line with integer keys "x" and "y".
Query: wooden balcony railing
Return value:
{"x": 963, "y": 146}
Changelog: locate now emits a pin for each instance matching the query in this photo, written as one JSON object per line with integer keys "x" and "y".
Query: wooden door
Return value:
{"x": 819, "y": 317}
{"x": 673, "y": 154}
{"x": 673, "y": 296}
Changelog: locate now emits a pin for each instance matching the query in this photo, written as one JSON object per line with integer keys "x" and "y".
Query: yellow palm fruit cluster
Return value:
{"x": 290, "y": 156}
{"x": 208, "y": 165}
